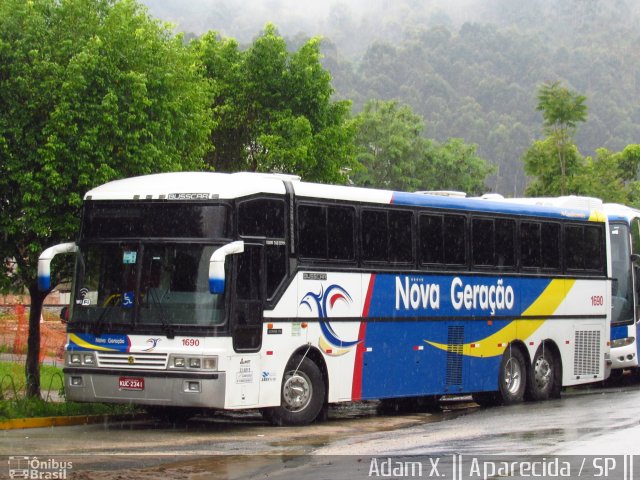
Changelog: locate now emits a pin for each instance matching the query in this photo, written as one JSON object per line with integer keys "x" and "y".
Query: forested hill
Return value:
{"x": 471, "y": 72}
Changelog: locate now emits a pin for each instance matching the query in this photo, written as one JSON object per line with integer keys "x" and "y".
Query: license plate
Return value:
{"x": 131, "y": 383}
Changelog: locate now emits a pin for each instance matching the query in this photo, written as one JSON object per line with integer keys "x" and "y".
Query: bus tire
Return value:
{"x": 542, "y": 376}
{"x": 301, "y": 395}
{"x": 512, "y": 379}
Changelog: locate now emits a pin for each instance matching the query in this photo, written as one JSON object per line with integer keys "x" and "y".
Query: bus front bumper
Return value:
{"x": 624, "y": 357}
{"x": 145, "y": 387}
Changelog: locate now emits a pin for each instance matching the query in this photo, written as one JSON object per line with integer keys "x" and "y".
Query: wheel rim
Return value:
{"x": 542, "y": 373}
{"x": 512, "y": 376}
{"x": 297, "y": 391}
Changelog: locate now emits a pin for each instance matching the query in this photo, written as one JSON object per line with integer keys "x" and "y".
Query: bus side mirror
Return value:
{"x": 216, "y": 265}
{"x": 44, "y": 263}
{"x": 635, "y": 258}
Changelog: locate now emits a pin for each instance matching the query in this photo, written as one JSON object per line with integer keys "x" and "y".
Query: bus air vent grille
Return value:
{"x": 587, "y": 353}
{"x": 455, "y": 342}
{"x": 157, "y": 361}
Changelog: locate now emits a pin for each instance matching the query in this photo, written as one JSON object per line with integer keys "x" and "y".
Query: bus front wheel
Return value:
{"x": 301, "y": 395}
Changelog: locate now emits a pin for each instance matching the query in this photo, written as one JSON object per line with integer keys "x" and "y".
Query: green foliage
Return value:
{"x": 36, "y": 407}
{"x": 90, "y": 91}
{"x": 561, "y": 108}
{"x": 553, "y": 162}
{"x": 50, "y": 378}
{"x": 609, "y": 176}
{"x": 394, "y": 154}
{"x": 273, "y": 109}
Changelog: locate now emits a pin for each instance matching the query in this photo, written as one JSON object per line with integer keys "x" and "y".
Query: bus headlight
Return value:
{"x": 622, "y": 342}
{"x": 194, "y": 362}
{"x": 210, "y": 363}
{"x": 178, "y": 362}
{"x": 81, "y": 358}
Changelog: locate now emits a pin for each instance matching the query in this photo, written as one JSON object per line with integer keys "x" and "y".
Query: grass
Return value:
{"x": 35, "y": 407}
{"x": 12, "y": 373}
{"x": 15, "y": 405}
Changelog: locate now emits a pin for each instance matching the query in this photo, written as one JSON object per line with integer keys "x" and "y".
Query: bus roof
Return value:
{"x": 210, "y": 185}
{"x": 616, "y": 211}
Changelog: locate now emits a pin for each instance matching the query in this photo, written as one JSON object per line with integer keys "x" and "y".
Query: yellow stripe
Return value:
{"x": 326, "y": 347}
{"x": 545, "y": 305}
{"x": 82, "y": 343}
{"x": 597, "y": 216}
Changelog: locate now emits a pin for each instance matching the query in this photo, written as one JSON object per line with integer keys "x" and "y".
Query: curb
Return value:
{"x": 43, "y": 422}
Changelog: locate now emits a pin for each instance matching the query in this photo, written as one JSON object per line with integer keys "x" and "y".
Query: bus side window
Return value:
{"x": 312, "y": 231}
{"x": 550, "y": 239}
{"x": 261, "y": 217}
{"x": 482, "y": 244}
{"x": 400, "y": 236}
{"x": 375, "y": 235}
{"x": 530, "y": 245}
{"x": 455, "y": 240}
{"x": 505, "y": 242}
{"x": 340, "y": 228}
{"x": 583, "y": 248}
{"x": 431, "y": 246}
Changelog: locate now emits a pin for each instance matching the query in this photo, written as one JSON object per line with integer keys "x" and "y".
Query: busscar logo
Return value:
{"x": 188, "y": 196}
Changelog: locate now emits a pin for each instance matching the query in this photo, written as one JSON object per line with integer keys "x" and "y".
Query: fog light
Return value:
{"x": 193, "y": 386}
{"x": 76, "y": 381}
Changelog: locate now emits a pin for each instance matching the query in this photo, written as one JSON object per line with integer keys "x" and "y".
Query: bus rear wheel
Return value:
{"x": 542, "y": 376}
{"x": 301, "y": 395}
{"x": 512, "y": 379}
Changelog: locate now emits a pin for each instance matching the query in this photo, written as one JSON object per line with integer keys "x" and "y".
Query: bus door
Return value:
{"x": 635, "y": 250}
{"x": 248, "y": 304}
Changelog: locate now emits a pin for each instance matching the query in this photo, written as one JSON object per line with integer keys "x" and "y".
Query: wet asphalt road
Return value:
{"x": 241, "y": 445}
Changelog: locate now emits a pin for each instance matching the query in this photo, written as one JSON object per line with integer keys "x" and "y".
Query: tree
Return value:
{"x": 273, "y": 110}
{"x": 394, "y": 153}
{"x": 390, "y": 146}
{"x": 540, "y": 162}
{"x": 611, "y": 176}
{"x": 562, "y": 110}
{"x": 90, "y": 91}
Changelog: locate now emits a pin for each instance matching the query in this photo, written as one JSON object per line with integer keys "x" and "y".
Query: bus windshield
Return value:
{"x": 622, "y": 271}
{"x": 145, "y": 284}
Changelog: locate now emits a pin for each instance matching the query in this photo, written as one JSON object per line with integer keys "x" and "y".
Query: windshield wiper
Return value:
{"x": 168, "y": 328}
{"x": 97, "y": 330}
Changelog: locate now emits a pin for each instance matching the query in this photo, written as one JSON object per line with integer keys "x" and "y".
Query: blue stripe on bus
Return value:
{"x": 478, "y": 205}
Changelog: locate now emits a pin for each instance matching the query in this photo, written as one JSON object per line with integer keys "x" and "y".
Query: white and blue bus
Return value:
{"x": 242, "y": 291}
{"x": 624, "y": 233}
